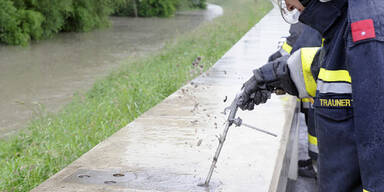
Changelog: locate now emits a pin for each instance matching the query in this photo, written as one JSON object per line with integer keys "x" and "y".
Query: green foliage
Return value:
{"x": 88, "y": 15}
{"x": 149, "y": 8}
{"x": 162, "y": 8}
{"x": 31, "y": 23}
{"x": 55, "y": 140}
{"x": 18, "y": 26}
{"x": 9, "y": 24}
{"x": 125, "y": 7}
{"x": 25, "y": 20}
{"x": 54, "y": 12}
{"x": 146, "y": 8}
{"x": 202, "y": 4}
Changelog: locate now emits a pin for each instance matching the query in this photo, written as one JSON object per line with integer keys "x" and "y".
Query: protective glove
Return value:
{"x": 275, "y": 56}
{"x": 275, "y": 75}
{"x": 272, "y": 77}
{"x": 254, "y": 93}
{"x": 259, "y": 97}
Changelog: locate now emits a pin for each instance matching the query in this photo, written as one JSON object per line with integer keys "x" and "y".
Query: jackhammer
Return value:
{"x": 230, "y": 121}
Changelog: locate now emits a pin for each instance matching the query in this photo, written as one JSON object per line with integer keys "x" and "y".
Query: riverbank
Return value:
{"x": 55, "y": 140}
{"x": 42, "y": 77}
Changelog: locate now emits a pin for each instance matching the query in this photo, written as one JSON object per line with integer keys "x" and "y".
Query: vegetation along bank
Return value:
{"x": 52, "y": 141}
{"x": 25, "y": 20}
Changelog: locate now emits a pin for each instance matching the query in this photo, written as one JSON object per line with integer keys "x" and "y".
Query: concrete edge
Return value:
{"x": 286, "y": 159}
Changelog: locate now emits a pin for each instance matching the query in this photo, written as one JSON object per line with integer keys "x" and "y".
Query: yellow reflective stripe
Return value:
{"x": 322, "y": 42}
{"x": 365, "y": 190}
{"x": 287, "y": 48}
{"x": 334, "y": 75}
{"x": 307, "y": 100}
{"x": 312, "y": 139}
{"x": 307, "y": 56}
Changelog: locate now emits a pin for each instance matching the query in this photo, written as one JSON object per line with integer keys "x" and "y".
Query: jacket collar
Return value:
{"x": 323, "y": 15}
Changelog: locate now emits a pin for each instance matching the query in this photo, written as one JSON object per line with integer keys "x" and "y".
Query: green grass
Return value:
{"x": 52, "y": 141}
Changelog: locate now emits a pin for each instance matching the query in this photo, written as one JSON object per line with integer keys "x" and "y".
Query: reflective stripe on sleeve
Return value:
{"x": 307, "y": 102}
{"x": 338, "y": 87}
{"x": 334, "y": 75}
{"x": 296, "y": 73}
{"x": 312, "y": 139}
{"x": 312, "y": 144}
{"x": 307, "y": 56}
{"x": 287, "y": 47}
{"x": 365, "y": 190}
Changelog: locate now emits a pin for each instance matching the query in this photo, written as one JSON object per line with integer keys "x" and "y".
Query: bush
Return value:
{"x": 202, "y": 4}
{"x": 31, "y": 23}
{"x": 17, "y": 27}
{"x": 25, "y": 20}
{"x": 55, "y": 13}
{"x": 199, "y": 3}
{"x": 162, "y": 8}
{"x": 9, "y": 31}
{"x": 88, "y": 15}
{"x": 125, "y": 7}
{"x": 149, "y": 8}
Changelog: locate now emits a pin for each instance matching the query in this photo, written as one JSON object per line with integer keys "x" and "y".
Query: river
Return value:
{"x": 47, "y": 73}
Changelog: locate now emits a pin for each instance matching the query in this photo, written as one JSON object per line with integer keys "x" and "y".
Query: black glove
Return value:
{"x": 276, "y": 76}
{"x": 259, "y": 97}
{"x": 266, "y": 80}
{"x": 254, "y": 93}
{"x": 275, "y": 56}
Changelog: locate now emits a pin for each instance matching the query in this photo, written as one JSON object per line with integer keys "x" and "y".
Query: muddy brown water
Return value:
{"x": 46, "y": 74}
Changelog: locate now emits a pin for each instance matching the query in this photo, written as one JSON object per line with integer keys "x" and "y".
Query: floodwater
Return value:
{"x": 46, "y": 74}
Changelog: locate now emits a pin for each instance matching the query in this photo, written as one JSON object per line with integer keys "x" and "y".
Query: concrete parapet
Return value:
{"x": 170, "y": 147}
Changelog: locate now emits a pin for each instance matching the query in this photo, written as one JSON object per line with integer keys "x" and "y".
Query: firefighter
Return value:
{"x": 301, "y": 35}
{"x": 346, "y": 77}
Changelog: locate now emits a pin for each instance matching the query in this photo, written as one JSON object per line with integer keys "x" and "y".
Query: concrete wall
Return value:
{"x": 170, "y": 147}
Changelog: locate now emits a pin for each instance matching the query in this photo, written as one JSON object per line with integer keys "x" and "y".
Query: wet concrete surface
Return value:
{"x": 173, "y": 143}
{"x": 159, "y": 180}
{"x": 45, "y": 75}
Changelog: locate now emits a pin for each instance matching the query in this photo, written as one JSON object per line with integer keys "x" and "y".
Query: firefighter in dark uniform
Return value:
{"x": 346, "y": 77}
{"x": 300, "y": 36}
{"x": 309, "y": 38}
{"x": 295, "y": 31}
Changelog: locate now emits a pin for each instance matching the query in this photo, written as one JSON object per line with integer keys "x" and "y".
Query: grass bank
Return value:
{"x": 52, "y": 141}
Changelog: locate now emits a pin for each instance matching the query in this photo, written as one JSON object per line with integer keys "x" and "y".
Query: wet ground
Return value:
{"x": 44, "y": 75}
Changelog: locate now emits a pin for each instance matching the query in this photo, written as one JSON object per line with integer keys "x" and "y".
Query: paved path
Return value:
{"x": 170, "y": 147}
